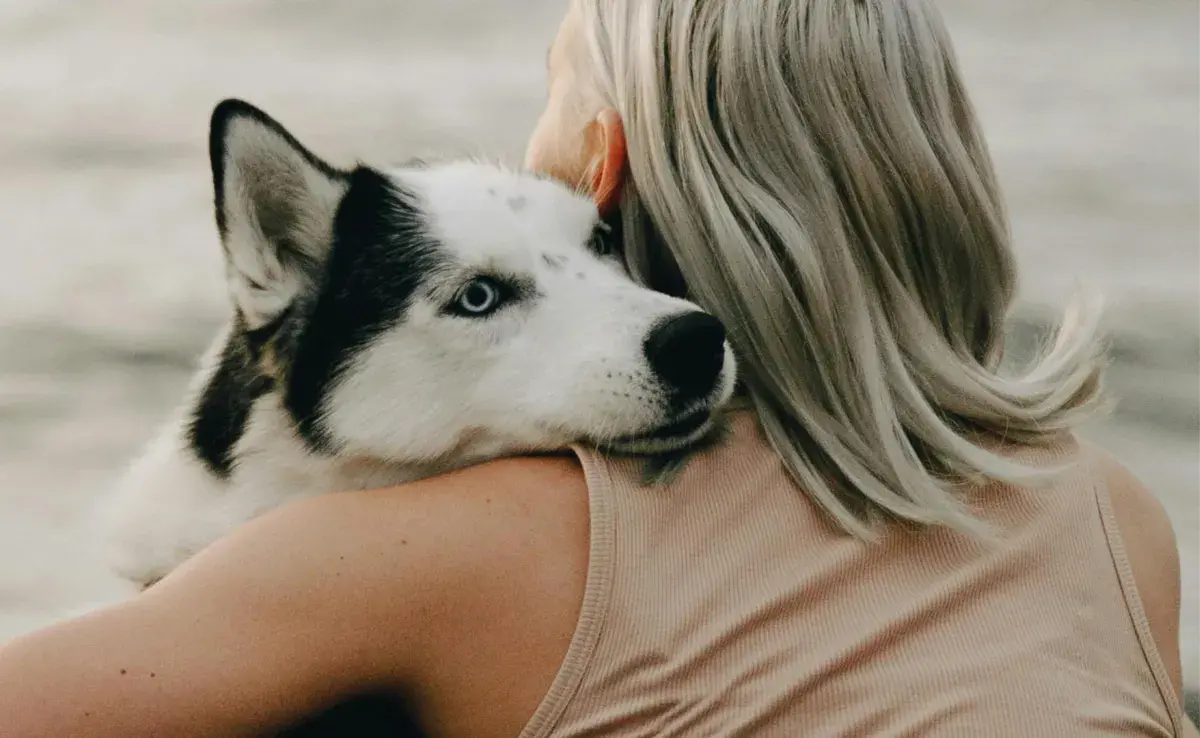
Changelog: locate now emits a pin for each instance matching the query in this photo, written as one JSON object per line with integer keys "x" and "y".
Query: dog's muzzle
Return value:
{"x": 687, "y": 354}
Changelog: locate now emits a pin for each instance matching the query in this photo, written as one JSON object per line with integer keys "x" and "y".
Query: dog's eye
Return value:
{"x": 480, "y": 297}
{"x": 603, "y": 244}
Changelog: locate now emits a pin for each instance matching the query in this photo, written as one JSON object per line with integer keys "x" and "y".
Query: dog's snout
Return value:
{"x": 687, "y": 353}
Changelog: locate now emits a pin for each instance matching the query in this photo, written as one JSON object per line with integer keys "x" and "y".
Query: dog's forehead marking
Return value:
{"x": 485, "y": 213}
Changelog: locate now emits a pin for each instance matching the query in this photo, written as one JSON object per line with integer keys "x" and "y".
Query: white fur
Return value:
{"x": 568, "y": 366}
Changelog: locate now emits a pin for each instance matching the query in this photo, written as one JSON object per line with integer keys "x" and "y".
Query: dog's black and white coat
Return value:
{"x": 392, "y": 325}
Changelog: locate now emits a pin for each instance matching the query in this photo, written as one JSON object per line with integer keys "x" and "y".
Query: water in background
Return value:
{"x": 110, "y": 275}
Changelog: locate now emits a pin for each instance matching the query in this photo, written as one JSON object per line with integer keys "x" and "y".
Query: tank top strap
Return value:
{"x": 1129, "y": 591}
{"x": 597, "y": 597}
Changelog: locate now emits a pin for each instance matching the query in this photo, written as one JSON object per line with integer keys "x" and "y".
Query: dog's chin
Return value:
{"x": 678, "y": 434}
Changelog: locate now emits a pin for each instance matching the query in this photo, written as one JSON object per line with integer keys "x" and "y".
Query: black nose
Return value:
{"x": 687, "y": 353}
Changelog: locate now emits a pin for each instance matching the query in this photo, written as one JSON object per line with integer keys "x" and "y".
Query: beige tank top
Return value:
{"x": 724, "y": 604}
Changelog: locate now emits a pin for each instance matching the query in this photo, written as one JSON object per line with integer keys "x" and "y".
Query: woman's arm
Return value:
{"x": 310, "y": 603}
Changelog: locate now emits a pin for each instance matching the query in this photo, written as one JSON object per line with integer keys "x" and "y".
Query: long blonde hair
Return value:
{"x": 812, "y": 172}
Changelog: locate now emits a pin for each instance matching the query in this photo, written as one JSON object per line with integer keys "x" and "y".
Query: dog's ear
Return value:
{"x": 276, "y": 203}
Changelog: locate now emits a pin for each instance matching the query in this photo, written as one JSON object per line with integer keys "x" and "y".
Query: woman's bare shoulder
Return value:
{"x": 473, "y": 541}
{"x": 523, "y": 486}
{"x": 509, "y": 503}
{"x": 487, "y": 566}
{"x": 496, "y": 557}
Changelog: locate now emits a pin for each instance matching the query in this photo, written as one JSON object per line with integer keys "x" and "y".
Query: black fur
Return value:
{"x": 220, "y": 416}
{"x": 223, "y": 408}
{"x": 374, "y": 265}
{"x": 380, "y": 252}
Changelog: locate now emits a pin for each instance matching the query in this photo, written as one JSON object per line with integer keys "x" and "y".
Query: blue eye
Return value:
{"x": 480, "y": 297}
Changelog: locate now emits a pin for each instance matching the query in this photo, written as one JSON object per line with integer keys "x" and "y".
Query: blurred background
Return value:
{"x": 111, "y": 280}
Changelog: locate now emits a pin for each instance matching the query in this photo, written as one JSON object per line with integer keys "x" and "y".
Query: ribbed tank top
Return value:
{"x": 725, "y": 604}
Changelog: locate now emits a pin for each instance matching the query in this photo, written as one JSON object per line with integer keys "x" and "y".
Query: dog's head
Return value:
{"x": 449, "y": 311}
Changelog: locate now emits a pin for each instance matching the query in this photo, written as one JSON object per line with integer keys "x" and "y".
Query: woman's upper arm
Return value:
{"x": 1153, "y": 554}
{"x": 310, "y": 603}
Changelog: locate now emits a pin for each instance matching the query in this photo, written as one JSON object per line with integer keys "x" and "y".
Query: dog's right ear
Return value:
{"x": 276, "y": 203}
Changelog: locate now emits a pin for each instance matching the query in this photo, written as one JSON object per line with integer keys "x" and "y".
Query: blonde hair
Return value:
{"x": 812, "y": 173}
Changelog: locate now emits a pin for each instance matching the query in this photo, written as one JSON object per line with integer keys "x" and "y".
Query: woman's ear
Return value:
{"x": 609, "y": 157}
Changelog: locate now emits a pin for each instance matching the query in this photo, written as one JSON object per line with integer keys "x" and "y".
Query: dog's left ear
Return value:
{"x": 276, "y": 203}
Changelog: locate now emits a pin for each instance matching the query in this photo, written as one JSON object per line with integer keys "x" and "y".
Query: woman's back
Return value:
{"x": 727, "y": 604}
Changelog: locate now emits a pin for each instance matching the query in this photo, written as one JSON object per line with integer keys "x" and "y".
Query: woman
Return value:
{"x": 894, "y": 538}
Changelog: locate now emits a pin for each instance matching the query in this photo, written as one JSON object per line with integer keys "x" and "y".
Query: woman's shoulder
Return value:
{"x": 1144, "y": 524}
{"x": 1145, "y": 541}
{"x": 504, "y": 498}
{"x": 546, "y": 483}
{"x": 520, "y": 521}
{"x": 457, "y": 582}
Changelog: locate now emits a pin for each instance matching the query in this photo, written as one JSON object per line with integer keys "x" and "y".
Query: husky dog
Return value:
{"x": 392, "y": 325}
